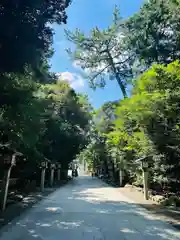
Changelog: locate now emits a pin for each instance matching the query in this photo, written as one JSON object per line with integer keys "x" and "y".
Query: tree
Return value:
{"x": 65, "y": 125}
{"x": 147, "y": 123}
{"x": 103, "y": 54}
{"x": 105, "y": 116}
{"x": 42, "y": 120}
{"x": 41, "y": 116}
{"x": 153, "y": 33}
{"x": 26, "y": 35}
{"x": 152, "y": 115}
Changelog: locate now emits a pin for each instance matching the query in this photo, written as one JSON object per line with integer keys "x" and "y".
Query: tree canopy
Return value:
{"x": 145, "y": 124}
{"x": 152, "y": 34}
{"x": 41, "y": 115}
{"x": 102, "y": 54}
{"x": 26, "y": 34}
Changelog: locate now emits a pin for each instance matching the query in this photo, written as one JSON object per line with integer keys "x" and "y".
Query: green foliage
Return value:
{"x": 43, "y": 117}
{"x": 102, "y": 54}
{"x": 152, "y": 112}
{"x": 66, "y": 123}
{"x": 40, "y": 115}
{"x": 105, "y": 116}
{"x": 146, "y": 124}
{"x": 26, "y": 35}
{"x": 128, "y": 46}
{"x": 42, "y": 120}
{"x": 153, "y": 33}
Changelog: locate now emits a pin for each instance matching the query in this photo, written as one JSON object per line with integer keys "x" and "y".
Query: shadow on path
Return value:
{"x": 89, "y": 209}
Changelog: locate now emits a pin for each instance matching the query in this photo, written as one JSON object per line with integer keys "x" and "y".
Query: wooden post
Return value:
{"x": 84, "y": 165}
{"x": 44, "y": 165}
{"x": 6, "y": 180}
{"x": 43, "y": 173}
{"x": 145, "y": 165}
{"x": 145, "y": 177}
{"x": 59, "y": 174}
{"x": 120, "y": 177}
{"x": 6, "y": 186}
{"x": 52, "y": 175}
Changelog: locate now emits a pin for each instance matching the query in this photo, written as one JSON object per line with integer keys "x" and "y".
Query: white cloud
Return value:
{"x": 75, "y": 80}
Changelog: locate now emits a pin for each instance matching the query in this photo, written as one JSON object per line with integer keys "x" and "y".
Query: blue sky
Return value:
{"x": 86, "y": 14}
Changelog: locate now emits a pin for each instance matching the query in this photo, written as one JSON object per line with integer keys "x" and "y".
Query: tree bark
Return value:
{"x": 123, "y": 89}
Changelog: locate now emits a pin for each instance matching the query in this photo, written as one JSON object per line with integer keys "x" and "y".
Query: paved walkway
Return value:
{"x": 87, "y": 209}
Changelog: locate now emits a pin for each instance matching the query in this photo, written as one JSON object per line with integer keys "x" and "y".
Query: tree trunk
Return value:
{"x": 123, "y": 89}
